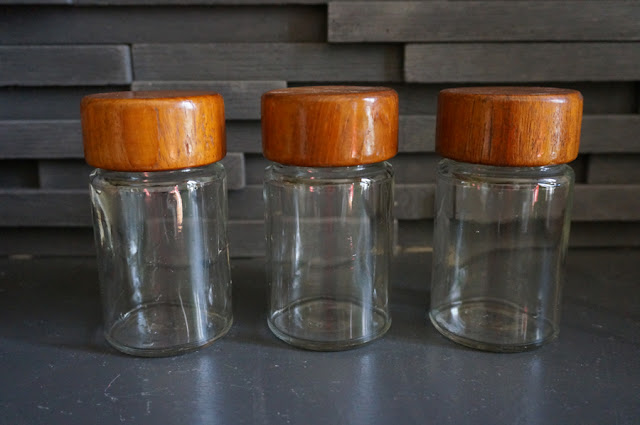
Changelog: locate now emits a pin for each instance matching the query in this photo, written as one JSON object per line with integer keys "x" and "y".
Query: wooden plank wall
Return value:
{"x": 53, "y": 52}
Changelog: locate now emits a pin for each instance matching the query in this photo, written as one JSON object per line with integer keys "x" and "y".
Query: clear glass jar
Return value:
{"x": 160, "y": 218}
{"x": 500, "y": 241}
{"x": 328, "y": 212}
{"x": 503, "y": 211}
{"x": 329, "y": 245}
{"x": 163, "y": 259}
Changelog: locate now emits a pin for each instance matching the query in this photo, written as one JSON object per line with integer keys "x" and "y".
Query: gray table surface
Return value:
{"x": 55, "y": 366}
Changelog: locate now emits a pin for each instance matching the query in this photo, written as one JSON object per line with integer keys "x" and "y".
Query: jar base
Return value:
{"x": 325, "y": 324}
{"x": 492, "y": 325}
{"x": 161, "y": 330}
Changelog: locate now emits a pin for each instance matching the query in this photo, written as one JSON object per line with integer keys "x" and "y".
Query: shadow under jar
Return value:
{"x": 329, "y": 199}
{"x": 160, "y": 218}
{"x": 503, "y": 209}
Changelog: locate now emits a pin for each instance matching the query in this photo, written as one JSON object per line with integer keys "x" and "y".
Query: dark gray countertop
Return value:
{"x": 55, "y": 366}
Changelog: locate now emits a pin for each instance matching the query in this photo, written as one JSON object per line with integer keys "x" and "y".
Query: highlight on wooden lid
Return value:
{"x": 509, "y": 126}
{"x": 330, "y": 126}
{"x": 153, "y": 130}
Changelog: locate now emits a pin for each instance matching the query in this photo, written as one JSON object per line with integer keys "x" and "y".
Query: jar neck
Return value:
{"x": 466, "y": 168}
{"x": 147, "y": 177}
{"x": 330, "y": 172}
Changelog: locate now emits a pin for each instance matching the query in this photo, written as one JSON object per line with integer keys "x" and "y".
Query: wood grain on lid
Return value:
{"x": 153, "y": 130}
{"x": 330, "y": 126}
{"x": 509, "y": 126}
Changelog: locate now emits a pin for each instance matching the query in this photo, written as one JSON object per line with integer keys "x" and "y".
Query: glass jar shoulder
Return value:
{"x": 197, "y": 176}
{"x": 467, "y": 173}
{"x": 285, "y": 174}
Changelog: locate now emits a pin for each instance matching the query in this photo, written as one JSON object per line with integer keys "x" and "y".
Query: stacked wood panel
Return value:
{"x": 54, "y": 52}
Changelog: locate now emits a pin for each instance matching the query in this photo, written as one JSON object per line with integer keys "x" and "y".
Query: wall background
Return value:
{"x": 52, "y": 52}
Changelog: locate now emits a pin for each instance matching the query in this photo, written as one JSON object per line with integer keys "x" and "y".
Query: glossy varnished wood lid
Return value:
{"x": 509, "y": 126}
{"x": 330, "y": 126}
{"x": 153, "y": 130}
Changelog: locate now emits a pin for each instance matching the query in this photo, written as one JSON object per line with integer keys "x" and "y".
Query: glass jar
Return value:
{"x": 503, "y": 208}
{"x": 328, "y": 213}
{"x": 160, "y": 218}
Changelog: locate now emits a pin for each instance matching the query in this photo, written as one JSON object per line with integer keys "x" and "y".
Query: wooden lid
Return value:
{"x": 509, "y": 126}
{"x": 330, "y": 126}
{"x": 153, "y": 130}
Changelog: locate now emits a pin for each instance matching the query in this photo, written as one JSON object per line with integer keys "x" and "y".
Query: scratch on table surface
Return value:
{"x": 109, "y": 386}
{"x": 148, "y": 407}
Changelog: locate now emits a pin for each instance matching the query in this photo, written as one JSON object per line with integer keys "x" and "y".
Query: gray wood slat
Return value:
{"x": 268, "y": 61}
{"x": 417, "y": 133}
{"x": 241, "y": 98}
{"x": 44, "y": 103}
{"x": 131, "y": 24}
{"x": 44, "y": 208}
{"x": 255, "y": 165}
{"x": 235, "y": 169}
{"x": 246, "y": 204}
{"x": 244, "y": 136}
{"x": 610, "y": 134}
{"x": 21, "y": 207}
{"x": 47, "y": 241}
{"x": 64, "y": 65}
{"x": 198, "y": 2}
{"x": 591, "y": 202}
{"x": 18, "y": 103}
{"x": 35, "y": 2}
{"x": 606, "y": 203}
{"x": 414, "y": 21}
{"x": 48, "y": 139}
{"x": 246, "y": 239}
{"x": 521, "y": 62}
{"x": 411, "y": 202}
{"x": 414, "y": 201}
{"x": 416, "y": 236}
{"x": 579, "y": 166}
{"x": 74, "y": 173}
{"x": 600, "y": 133}
{"x": 70, "y": 207}
{"x": 64, "y": 174}
{"x": 51, "y": 139}
{"x": 208, "y": 2}
{"x": 614, "y": 169}
{"x": 18, "y": 174}
{"x": 604, "y": 234}
{"x": 599, "y": 97}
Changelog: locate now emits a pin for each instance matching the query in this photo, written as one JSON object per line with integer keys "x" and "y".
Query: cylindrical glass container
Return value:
{"x": 503, "y": 207}
{"x": 329, "y": 199}
{"x": 160, "y": 218}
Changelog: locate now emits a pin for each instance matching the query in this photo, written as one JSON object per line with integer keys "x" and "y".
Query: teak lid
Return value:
{"x": 153, "y": 130}
{"x": 509, "y": 126}
{"x": 330, "y": 126}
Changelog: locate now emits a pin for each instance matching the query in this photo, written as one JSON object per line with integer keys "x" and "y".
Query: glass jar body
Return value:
{"x": 500, "y": 242}
{"x": 329, "y": 246}
{"x": 163, "y": 262}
